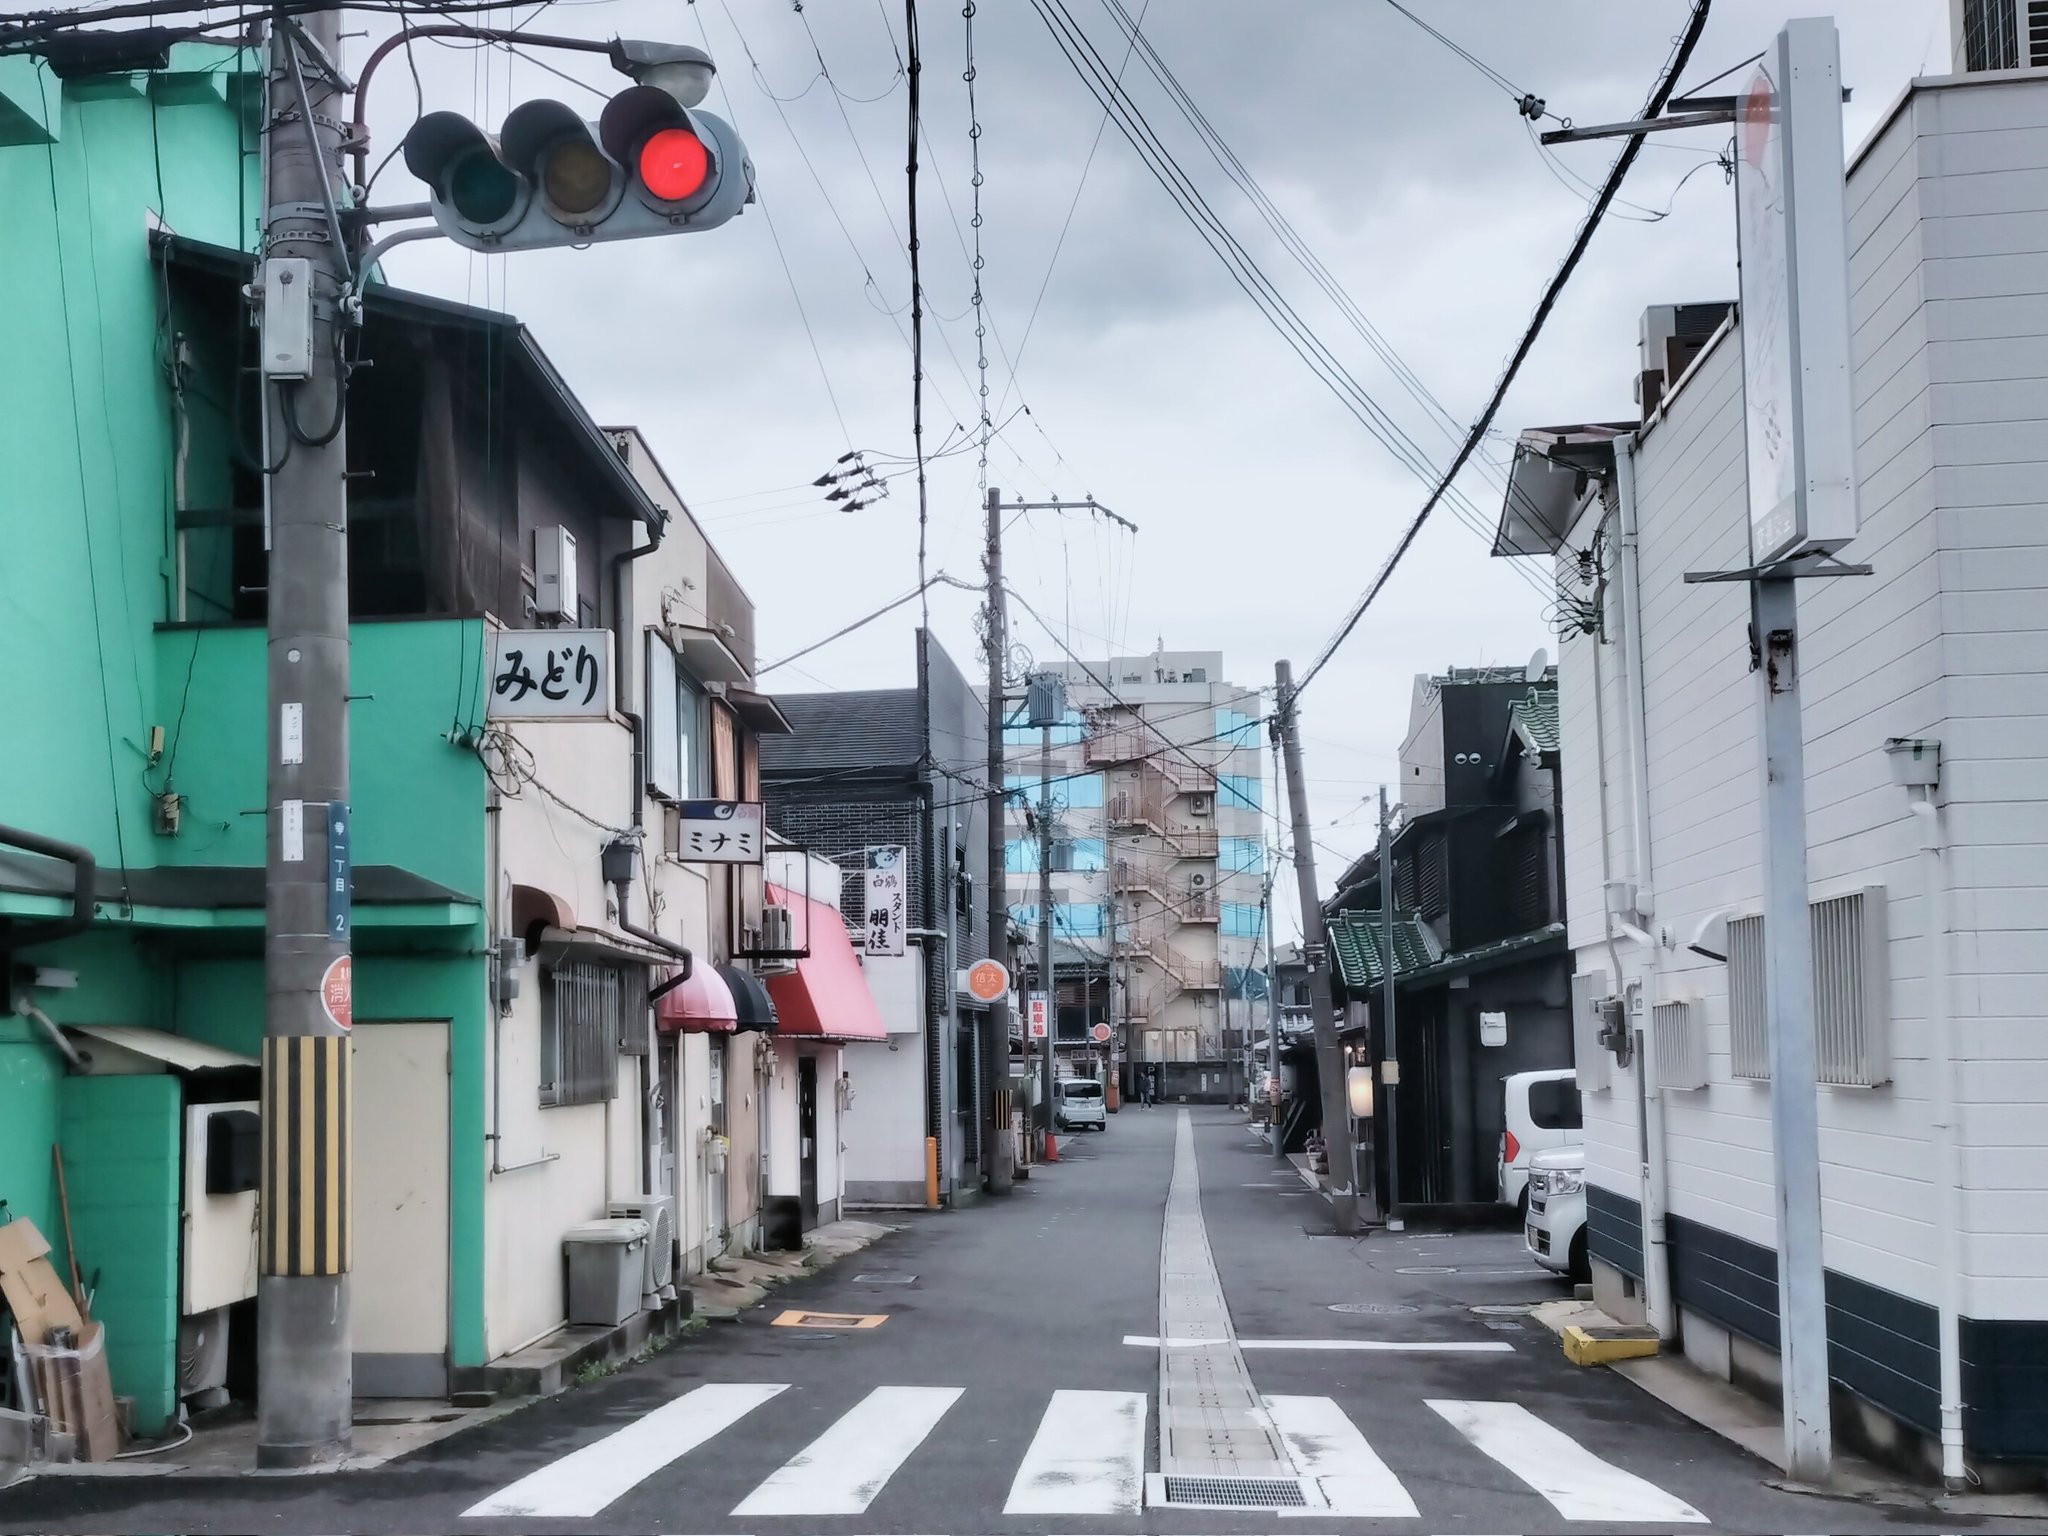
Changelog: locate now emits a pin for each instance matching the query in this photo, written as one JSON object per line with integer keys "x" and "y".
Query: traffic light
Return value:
{"x": 647, "y": 166}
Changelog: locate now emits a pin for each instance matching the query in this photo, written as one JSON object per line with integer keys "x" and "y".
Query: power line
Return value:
{"x": 1658, "y": 96}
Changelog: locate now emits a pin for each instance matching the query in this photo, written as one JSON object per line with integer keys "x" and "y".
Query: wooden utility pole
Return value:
{"x": 1316, "y": 951}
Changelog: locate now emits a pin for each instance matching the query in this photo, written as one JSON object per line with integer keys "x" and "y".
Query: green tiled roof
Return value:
{"x": 1358, "y": 944}
{"x": 1534, "y": 719}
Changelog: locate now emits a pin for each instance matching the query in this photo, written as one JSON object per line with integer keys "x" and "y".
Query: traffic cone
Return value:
{"x": 1052, "y": 1147}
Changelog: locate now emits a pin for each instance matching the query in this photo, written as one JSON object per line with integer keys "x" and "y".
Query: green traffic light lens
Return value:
{"x": 481, "y": 189}
{"x": 577, "y": 177}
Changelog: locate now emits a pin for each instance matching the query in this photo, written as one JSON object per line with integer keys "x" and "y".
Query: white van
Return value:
{"x": 1079, "y": 1106}
{"x": 1542, "y": 1114}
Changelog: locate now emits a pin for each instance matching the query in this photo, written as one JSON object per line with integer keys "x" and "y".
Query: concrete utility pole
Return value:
{"x": 1273, "y": 1005}
{"x": 302, "y": 1316}
{"x": 1047, "y": 971}
{"x": 1316, "y": 951}
{"x": 995, "y": 1026}
{"x": 1388, "y": 1049}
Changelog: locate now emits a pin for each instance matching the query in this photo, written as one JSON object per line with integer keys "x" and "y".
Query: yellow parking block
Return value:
{"x": 1603, "y": 1346}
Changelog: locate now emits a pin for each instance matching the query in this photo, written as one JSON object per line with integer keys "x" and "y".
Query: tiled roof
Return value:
{"x": 875, "y": 729}
{"x": 1534, "y": 719}
{"x": 1358, "y": 944}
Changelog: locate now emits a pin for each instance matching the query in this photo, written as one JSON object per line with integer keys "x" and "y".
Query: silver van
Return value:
{"x": 1079, "y": 1105}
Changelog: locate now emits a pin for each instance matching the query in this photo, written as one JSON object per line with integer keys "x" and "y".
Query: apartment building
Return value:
{"x": 1926, "y": 766}
{"x": 1157, "y": 808}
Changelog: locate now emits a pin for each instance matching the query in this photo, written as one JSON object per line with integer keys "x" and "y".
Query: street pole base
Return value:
{"x": 305, "y": 1372}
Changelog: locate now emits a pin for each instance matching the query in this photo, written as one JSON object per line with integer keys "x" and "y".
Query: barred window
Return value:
{"x": 587, "y": 1009}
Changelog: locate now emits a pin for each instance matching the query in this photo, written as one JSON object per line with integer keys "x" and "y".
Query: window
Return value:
{"x": 725, "y": 753}
{"x": 674, "y": 722}
{"x": 1081, "y": 792}
{"x": 586, "y": 1010}
{"x": 1242, "y": 920}
{"x": 1240, "y": 855}
{"x": 1080, "y": 854}
{"x": 1080, "y": 919}
{"x": 1234, "y": 728}
{"x": 1240, "y": 789}
{"x": 1020, "y": 856}
{"x": 1554, "y": 1105}
{"x": 1067, "y": 733}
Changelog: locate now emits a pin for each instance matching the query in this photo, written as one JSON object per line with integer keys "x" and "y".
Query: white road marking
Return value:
{"x": 1088, "y": 1457}
{"x": 1388, "y": 1346}
{"x": 586, "y": 1480}
{"x": 841, "y": 1471}
{"x": 1325, "y": 1445}
{"x": 1578, "y": 1484}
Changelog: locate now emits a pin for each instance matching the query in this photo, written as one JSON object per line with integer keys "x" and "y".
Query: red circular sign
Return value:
{"x": 1101, "y": 1034}
{"x": 338, "y": 993}
{"x": 988, "y": 981}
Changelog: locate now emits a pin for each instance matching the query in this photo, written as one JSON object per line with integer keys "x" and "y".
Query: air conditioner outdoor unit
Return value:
{"x": 778, "y": 931}
{"x": 1199, "y": 804}
{"x": 1198, "y": 882}
{"x": 203, "y": 1357}
{"x": 658, "y": 1282}
{"x": 554, "y": 573}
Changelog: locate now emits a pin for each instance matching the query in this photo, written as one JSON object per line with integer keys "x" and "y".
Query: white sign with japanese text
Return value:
{"x": 887, "y": 907}
{"x": 1039, "y": 1029}
{"x": 550, "y": 674}
{"x": 721, "y": 832}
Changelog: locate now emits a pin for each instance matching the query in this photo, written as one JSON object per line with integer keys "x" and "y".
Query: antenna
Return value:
{"x": 1538, "y": 665}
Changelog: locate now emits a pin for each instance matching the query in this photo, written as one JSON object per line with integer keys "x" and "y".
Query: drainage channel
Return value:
{"x": 1217, "y": 1447}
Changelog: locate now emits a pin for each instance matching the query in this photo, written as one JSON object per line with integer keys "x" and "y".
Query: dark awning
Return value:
{"x": 750, "y": 1000}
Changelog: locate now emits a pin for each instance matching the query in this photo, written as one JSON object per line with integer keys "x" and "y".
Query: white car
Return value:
{"x": 1555, "y": 1231}
{"x": 1541, "y": 1113}
{"x": 1079, "y": 1105}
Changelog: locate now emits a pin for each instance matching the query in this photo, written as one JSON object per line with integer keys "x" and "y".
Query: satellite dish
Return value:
{"x": 1538, "y": 665}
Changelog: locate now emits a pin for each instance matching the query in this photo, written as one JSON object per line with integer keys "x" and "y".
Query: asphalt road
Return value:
{"x": 1002, "y": 1366}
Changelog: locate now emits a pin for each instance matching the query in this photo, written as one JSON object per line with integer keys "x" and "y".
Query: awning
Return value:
{"x": 752, "y": 1006}
{"x": 700, "y": 1006}
{"x": 706, "y": 654}
{"x": 762, "y": 714}
{"x": 181, "y": 1053}
{"x": 828, "y": 997}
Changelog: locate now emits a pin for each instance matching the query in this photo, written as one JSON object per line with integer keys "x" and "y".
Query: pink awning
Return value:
{"x": 701, "y": 1005}
{"x": 828, "y": 997}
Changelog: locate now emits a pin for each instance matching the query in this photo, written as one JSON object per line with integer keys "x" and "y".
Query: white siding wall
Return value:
{"x": 1948, "y": 213}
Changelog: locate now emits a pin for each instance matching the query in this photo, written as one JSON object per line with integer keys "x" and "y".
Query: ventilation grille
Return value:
{"x": 1749, "y": 1034}
{"x": 1851, "y": 1006}
{"x": 1234, "y": 1492}
{"x": 1681, "y": 1046}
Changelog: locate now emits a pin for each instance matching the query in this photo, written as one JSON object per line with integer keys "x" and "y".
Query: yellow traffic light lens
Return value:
{"x": 577, "y": 177}
{"x": 481, "y": 189}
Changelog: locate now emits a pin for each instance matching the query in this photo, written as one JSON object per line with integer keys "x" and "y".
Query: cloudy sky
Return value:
{"x": 1124, "y": 361}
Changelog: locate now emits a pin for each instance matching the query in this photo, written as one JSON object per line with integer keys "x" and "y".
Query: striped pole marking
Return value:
{"x": 308, "y": 1117}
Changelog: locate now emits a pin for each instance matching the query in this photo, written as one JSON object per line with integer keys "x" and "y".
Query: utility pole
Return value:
{"x": 1273, "y": 1004}
{"x": 1316, "y": 950}
{"x": 1046, "y": 969}
{"x": 995, "y": 1024}
{"x": 302, "y": 1314}
{"x": 1388, "y": 1051}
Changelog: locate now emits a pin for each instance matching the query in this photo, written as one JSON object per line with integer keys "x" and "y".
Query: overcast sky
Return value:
{"x": 1151, "y": 381}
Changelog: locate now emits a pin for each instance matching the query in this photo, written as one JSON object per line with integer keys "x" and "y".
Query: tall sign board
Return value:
{"x": 1792, "y": 235}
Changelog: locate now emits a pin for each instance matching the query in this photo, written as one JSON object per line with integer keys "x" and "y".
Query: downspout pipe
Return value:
{"x": 48, "y": 1025}
{"x": 1947, "y": 1150}
{"x": 83, "y": 874}
{"x": 1656, "y": 1180}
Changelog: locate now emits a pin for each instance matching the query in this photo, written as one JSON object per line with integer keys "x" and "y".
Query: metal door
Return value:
{"x": 399, "y": 1287}
{"x": 714, "y": 1164}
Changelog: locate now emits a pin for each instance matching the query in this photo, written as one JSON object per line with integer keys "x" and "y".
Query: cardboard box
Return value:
{"x": 67, "y": 1355}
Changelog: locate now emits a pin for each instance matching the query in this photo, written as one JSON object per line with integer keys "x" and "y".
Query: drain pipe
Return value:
{"x": 1657, "y": 1304}
{"x": 1917, "y": 765}
{"x": 48, "y": 1025}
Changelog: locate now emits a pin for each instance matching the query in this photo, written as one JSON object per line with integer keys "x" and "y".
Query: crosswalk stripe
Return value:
{"x": 1578, "y": 1484}
{"x": 586, "y": 1480}
{"x": 1088, "y": 1457}
{"x": 841, "y": 1471}
{"x": 1326, "y": 1445}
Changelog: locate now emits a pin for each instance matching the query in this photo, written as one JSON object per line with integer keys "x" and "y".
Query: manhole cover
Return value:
{"x": 1372, "y": 1308}
{"x": 885, "y": 1279}
{"x": 1503, "y": 1309}
{"x": 1428, "y": 1269}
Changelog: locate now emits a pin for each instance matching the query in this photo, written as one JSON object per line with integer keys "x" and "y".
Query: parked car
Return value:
{"x": 1556, "y": 1227}
{"x": 1079, "y": 1105}
{"x": 1542, "y": 1114}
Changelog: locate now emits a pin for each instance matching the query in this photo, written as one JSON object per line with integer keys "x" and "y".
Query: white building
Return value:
{"x": 1930, "y": 920}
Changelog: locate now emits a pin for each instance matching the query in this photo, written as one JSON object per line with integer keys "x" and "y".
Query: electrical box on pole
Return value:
{"x": 1045, "y": 700}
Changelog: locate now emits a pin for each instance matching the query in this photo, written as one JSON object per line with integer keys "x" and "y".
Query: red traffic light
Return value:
{"x": 674, "y": 164}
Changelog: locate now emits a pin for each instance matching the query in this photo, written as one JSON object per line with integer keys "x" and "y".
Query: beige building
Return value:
{"x": 1158, "y": 860}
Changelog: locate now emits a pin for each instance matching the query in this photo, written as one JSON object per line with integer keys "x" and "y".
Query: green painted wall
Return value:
{"x": 122, "y": 1137}
{"x": 85, "y": 430}
{"x": 29, "y": 1076}
{"x": 418, "y": 798}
